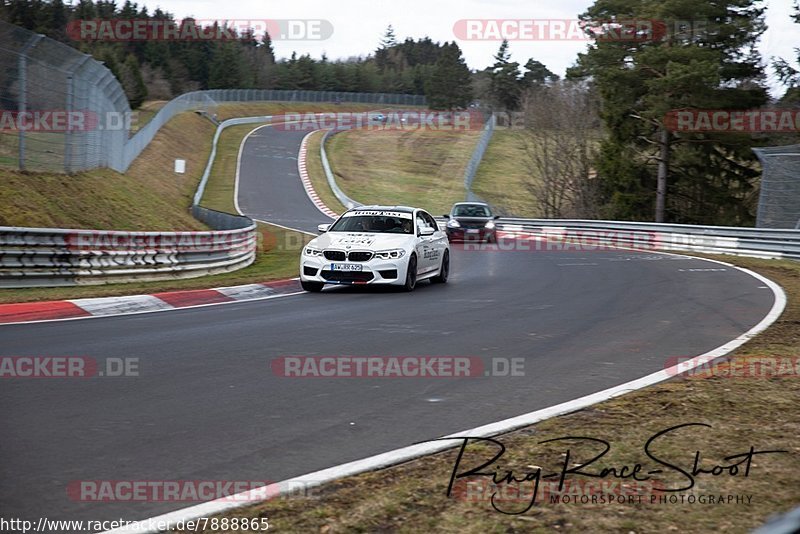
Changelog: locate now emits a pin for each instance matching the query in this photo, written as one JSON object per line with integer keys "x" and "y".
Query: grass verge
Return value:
{"x": 503, "y": 179}
{"x": 150, "y": 196}
{"x": 145, "y": 114}
{"x": 422, "y": 168}
{"x": 757, "y": 411}
{"x": 426, "y": 169}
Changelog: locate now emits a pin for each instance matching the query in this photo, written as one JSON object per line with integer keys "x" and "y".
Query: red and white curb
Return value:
{"x": 303, "y": 170}
{"x": 35, "y": 312}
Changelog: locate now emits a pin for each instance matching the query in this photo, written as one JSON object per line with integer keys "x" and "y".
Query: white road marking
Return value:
{"x": 411, "y": 452}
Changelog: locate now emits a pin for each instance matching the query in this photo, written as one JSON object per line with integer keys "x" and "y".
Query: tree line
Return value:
{"x": 597, "y": 141}
{"x": 159, "y": 69}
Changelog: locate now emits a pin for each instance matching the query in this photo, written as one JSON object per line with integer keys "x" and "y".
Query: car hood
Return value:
{"x": 473, "y": 219}
{"x": 359, "y": 241}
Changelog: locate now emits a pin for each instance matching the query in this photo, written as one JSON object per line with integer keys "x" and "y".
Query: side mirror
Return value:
{"x": 446, "y": 216}
{"x": 322, "y": 228}
{"x": 496, "y": 217}
{"x": 426, "y": 231}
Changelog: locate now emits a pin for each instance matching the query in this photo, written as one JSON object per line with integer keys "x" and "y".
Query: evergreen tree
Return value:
{"x": 226, "y": 70}
{"x": 537, "y": 74}
{"x": 132, "y": 81}
{"x": 449, "y": 86}
{"x": 788, "y": 74}
{"x": 383, "y": 55}
{"x": 505, "y": 88}
{"x": 687, "y": 177}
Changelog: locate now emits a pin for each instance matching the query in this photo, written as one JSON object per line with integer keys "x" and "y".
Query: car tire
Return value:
{"x": 411, "y": 274}
{"x": 492, "y": 239}
{"x": 313, "y": 287}
{"x": 444, "y": 270}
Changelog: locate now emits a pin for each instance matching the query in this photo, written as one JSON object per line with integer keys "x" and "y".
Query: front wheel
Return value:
{"x": 313, "y": 287}
{"x": 411, "y": 274}
{"x": 444, "y": 270}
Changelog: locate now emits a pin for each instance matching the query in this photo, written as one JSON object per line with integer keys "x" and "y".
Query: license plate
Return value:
{"x": 472, "y": 231}
{"x": 346, "y": 267}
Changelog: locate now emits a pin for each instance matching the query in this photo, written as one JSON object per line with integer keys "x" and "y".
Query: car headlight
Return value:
{"x": 313, "y": 252}
{"x": 452, "y": 223}
{"x": 390, "y": 254}
{"x": 489, "y": 225}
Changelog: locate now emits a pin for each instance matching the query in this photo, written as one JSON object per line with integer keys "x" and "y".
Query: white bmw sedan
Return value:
{"x": 393, "y": 245}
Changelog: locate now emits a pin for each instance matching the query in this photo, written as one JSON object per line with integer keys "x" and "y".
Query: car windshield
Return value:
{"x": 472, "y": 210}
{"x": 374, "y": 224}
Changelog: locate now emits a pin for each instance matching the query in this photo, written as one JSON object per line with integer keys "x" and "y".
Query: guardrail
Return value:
{"x": 477, "y": 156}
{"x": 346, "y": 201}
{"x": 751, "y": 242}
{"x": 39, "y": 257}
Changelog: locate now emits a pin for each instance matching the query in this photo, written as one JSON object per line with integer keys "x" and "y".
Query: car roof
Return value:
{"x": 476, "y": 203}
{"x": 405, "y": 209}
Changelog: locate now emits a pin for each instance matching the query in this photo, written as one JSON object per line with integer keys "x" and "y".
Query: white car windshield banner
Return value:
{"x": 373, "y": 213}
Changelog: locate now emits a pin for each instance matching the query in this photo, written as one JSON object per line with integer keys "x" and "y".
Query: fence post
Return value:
{"x": 69, "y": 108}
{"x": 22, "y": 66}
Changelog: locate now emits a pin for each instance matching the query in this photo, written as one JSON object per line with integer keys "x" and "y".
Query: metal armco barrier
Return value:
{"x": 346, "y": 201}
{"x": 752, "y": 242}
{"x": 31, "y": 257}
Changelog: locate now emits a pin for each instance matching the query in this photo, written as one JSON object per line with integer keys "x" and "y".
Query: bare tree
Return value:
{"x": 560, "y": 139}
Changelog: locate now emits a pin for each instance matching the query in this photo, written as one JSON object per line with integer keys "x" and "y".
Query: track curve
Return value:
{"x": 269, "y": 186}
{"x": 207, "y": 406}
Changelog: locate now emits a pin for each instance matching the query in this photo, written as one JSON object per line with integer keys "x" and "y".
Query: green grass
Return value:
{"x": 145, "y": 114}
{"x": 219, "y": 190}
{"x": 761, "y": 412}
{"x": 150, "y": 196}
{"x": 427, "y": 169}
{"x": 422, "y": 168}
{"x": 503, "y": 179}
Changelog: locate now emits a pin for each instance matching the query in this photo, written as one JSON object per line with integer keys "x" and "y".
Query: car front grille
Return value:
{"x": 473, "y": 225}
{"x": 335, "y": 255}
{"x": 347, "y": 276}
{"x": 339, "y": 255}
{"x": 359, "y": 256}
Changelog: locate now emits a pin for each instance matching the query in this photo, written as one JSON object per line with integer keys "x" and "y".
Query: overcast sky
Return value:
{"x": 358, "y": 25}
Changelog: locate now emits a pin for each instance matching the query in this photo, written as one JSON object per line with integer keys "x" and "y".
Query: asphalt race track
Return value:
{"x": 269, "y": 183}
{"x": 207, "y": 406}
